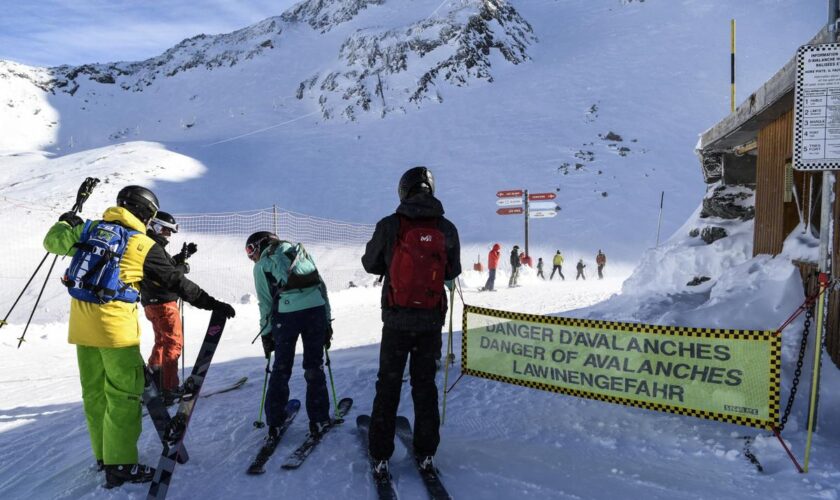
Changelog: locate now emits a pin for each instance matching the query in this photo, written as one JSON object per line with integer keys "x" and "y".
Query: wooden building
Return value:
{"x": 753, "y": 146}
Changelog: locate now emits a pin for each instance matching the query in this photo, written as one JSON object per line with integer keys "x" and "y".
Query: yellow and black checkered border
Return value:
{"x": 775, "y": 362}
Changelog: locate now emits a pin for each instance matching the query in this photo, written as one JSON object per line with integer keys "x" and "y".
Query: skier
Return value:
{"x": 580, "y": 266}
{"x": 161, "y": 308}
{"x": 105, "y": 327}
{"x": 492, "y": 264}
{"x": 515, "y": 264}
{"x": 413, "y": 313}
{"x": 601, "y": 261}
{"x": 293, "y": 302}
{"x": 558, "y": 266}
{"x": 540, "y": 268}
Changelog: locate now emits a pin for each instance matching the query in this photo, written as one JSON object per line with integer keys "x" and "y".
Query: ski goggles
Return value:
{"x": 158, "y": 225}
{"x": 253, "y": 249}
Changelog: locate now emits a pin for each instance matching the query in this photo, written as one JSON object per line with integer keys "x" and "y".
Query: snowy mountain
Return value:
{"x": 578, "y": 98}
{"x": 320, "y": 109}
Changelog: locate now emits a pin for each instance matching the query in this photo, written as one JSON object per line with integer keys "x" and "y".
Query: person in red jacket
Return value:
{"x": 492, "y": 264}
{"x": 601, "y": 260}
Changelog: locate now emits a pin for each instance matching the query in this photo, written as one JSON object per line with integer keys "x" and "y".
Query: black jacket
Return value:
{"x": 379, "y": 251}
{"x": 164, "y": 280}
{"x": 514, "y": 259}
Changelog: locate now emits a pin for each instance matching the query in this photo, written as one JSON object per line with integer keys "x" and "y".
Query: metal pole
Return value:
{"x": 526, "y": 223}
{"x": 659, "y": 224}
{"x": 274, "y": 214}
{"x": 732, "y": 67}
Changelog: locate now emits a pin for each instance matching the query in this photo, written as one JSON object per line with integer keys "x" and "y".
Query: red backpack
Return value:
{"x": 418, "y": 265}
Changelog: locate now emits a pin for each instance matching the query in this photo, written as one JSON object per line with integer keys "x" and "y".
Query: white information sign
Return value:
{"x": 542, "y": 205}
{"x": 541, "y": 214}
{"x": 816, "y": 122}
{"x": 509, "y": 202}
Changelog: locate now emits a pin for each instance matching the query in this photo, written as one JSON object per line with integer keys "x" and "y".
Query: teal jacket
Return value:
{"x": 274, "y": 261}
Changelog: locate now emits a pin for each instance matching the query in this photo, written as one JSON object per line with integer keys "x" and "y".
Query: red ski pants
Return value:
{"x": 169, "y": 340}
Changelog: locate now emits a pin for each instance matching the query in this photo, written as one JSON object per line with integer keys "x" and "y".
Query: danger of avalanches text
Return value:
{"x": 597, "y": 340}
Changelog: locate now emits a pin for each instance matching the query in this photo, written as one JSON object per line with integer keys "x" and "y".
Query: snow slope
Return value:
{"x": 234, "y": 145}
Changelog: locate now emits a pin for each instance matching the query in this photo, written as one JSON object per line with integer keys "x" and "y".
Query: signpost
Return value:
{"x": 816, "y": 146}
{"x": 518, "y": 201}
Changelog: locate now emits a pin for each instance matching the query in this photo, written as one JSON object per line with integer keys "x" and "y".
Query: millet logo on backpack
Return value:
{"x": 426, "y": 238}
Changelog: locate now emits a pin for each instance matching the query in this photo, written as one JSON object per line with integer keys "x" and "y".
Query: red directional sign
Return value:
{"x": 542, "y": 196}
{"x": 509, "y": 194}
{"x": 510, "y": 211}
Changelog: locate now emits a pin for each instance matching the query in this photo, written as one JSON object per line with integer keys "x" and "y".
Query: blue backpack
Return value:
{"x": 94, "y": 272}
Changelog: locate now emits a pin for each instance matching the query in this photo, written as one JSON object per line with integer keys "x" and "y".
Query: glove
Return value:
{"x": 224, "y": 308}
{"x": 268, "y": 345}
{"x": 328, "y": 341}
{"x": 188, "y": 249}
{"x": 71, "y": 218}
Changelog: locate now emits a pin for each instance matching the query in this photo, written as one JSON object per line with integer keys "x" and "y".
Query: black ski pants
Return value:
{"x": 311, "y": 325}
{"x": 395, "y": 349}
{"x": 558, "y": 269}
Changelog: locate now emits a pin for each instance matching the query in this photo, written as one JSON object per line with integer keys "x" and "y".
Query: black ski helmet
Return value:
{"x": 139, "y": 201}
{"x": 257, "y": 242}
{"x": 161, "y": 221}
{"x": 415, "y": 180}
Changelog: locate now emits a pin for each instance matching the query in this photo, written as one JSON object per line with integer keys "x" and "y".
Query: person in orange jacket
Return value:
{"x": 492, "y": 264}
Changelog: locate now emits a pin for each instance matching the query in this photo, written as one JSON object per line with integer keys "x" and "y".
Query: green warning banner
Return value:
{"x": 727, "y": 375}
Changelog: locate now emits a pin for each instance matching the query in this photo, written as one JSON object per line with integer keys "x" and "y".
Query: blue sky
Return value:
{"x": 55, "y": 32}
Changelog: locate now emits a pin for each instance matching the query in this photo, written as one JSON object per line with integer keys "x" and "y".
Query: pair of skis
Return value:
{"x": 172, "y": 436}
{"x": 385, "y": 486}
{"x": 298, "y": 456}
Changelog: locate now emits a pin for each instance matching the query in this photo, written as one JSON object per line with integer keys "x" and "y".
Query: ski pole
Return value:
{"x": 332, "y": 382}
{"x": 183, "y": 337}
{"x": 448, "y": 353}
{"x": 82, "y": 195}
{"x": 3, "y": 321}
{"x": 259, "y": 424}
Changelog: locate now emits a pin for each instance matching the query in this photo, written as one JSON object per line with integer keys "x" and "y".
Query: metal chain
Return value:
{"x": 798, "y": 373}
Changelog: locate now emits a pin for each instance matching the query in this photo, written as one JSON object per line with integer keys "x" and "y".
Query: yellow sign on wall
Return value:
{"x": 727, "y": 375}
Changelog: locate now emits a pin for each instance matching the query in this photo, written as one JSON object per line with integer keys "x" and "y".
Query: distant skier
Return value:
{"x": 601, "y": 260}
{"x": 515, "y": 264}
{"x": 540, "y": 268}
{"x": 413, "y": 312}
{"x": 580, "y": 266}
{"x": 492, "y": 264}
{"x": 105, "y": 327}
{"x": 161, "y": 308}
{"x": 293, "y": 303}
{"x": 558, "y": 266}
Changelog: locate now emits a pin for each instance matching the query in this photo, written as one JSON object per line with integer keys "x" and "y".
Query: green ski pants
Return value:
{"x": 112, "y": 388}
